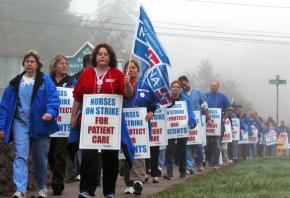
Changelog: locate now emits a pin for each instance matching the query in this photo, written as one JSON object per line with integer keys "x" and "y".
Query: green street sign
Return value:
{"x": 282, "y": 82}
{"x": 277, "y": 81}
{"x": 75, "y": 62}
{"x": 272, "y": 82}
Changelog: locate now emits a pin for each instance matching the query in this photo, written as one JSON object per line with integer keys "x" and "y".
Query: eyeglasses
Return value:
{"x": 102, "y": 54}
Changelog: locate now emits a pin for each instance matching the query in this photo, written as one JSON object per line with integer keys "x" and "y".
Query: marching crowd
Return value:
{"x": 30, "y": 105}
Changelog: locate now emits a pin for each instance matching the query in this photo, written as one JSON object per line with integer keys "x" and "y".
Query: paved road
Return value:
{"x": 71, "y": 189}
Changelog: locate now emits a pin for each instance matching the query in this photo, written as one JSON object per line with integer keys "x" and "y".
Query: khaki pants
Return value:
{"x": 135, "y": 173}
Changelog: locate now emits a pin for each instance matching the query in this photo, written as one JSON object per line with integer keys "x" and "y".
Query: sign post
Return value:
{"x": 277, "y": 82}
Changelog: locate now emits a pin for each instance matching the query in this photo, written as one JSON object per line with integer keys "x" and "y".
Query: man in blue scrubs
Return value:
{"x": 216, "y": 99}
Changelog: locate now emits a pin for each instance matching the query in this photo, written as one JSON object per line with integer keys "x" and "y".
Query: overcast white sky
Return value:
{"x": 217, "y": 32}
{"x": 250, "y": 63}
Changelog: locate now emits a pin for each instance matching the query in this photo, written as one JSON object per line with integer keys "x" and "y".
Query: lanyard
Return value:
{"x": 100, "y": 80}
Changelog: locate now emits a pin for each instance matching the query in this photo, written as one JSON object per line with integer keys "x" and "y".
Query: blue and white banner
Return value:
{"x": 154, "y": 60}
{"x": 147, "y": 46}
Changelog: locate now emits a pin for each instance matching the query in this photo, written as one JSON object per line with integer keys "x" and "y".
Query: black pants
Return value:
{"x": 170, "y": 153}
{"x": 154, "y": 160}
{"x": 57, "y": 162}
{"x": 90, "y": 167}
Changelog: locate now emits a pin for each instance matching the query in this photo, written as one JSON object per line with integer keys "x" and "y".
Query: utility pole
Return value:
{"x": 277, "y": 82}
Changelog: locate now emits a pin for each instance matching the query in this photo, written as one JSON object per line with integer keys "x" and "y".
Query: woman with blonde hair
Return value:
{"x": 58, "y": 71}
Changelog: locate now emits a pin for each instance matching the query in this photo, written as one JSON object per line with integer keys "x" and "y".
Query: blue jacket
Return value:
{"x": 44, "y": 100}
{"x": 143, "y": 97}
{"x": 246, "y": 124}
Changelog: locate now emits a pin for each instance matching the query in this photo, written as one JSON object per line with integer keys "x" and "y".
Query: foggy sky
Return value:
{"x": 251, "y": 64}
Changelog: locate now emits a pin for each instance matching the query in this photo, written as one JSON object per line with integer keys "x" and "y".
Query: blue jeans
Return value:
{"x": 194, "y": 153}
{"x": 161, "y": 158}
{"x": 39, "y": 152}
{"x": 77, "y": 162}
{"x": 213, "y": 147}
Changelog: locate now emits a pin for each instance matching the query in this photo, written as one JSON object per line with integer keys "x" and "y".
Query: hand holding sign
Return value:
{"x": 47, "y": 117}
{"x": 1, "y": 134}
{"x": 149, "y": 116}
{"x": 127, "y": 77}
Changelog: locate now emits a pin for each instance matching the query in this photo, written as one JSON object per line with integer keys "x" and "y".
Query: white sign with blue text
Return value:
{"x": 138, "y": 132}
{"x": 235, "y": 129}
{"x": 214, "y": 129}
{"x": 158, "y": 128}
{"x": 101, "y": 122}
{"x": 64, "y": 115}
{"x": 195, "y": 135}
{"x": 177, "y": 120}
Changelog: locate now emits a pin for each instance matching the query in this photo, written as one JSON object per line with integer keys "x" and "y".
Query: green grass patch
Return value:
{"x": 261, "y": 177}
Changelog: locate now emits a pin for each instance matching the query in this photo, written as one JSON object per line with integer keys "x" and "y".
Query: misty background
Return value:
{"x": 242, "y": 43}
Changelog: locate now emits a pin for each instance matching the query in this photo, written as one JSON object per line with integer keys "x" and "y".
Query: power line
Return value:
{"x": 168, "y": 34}
{"x": 198, "y": 30}
{"x": 211, "y": 37}
{"x": 214, "y": 29}
{"x": 241, "y": 4}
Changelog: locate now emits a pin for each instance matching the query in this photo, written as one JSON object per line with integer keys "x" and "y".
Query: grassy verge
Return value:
{"x": 261, "y": 177}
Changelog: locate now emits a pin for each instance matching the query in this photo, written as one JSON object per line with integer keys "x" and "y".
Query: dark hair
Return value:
{"x": 34, "y": 54}
{"x": 135, "y": 63}
{"x": 270, "y": 121}
{"x": 86, "y": 60}
{"x": 112, "y": 55}
{"x": 54, "y": 61}
{"x": 239, "y": 106}
{"x": 174, "y": 82}
{"x": 183, "y": 78}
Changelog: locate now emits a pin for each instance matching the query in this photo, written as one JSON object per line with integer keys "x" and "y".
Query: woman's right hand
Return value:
{"x": 1, "y": 134}
{"x": 73, "y": 121}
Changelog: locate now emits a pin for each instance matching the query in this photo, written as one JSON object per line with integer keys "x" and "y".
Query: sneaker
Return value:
{"x": 203, "y": 163}
{"x": 42, "y": 193}
{"x": 129, "y": 190}
{"x": 167, "y": 177}
{"x": 159, "y": 172}
{"x": 216, "y": 167}
{"x": 85, "y": 195}
{"x": 18, "y": 195}
{"x": 200, "y": 168}
{"x": 146, "y": 178}
{"x": 138, "y": 187}
{"x": 189, "y": 172}
{"x": 78, "y": 177}
{"x": 155, "y": 180}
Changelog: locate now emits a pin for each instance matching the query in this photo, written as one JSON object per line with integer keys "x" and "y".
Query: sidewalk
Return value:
{"x": 72, "y": 189}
